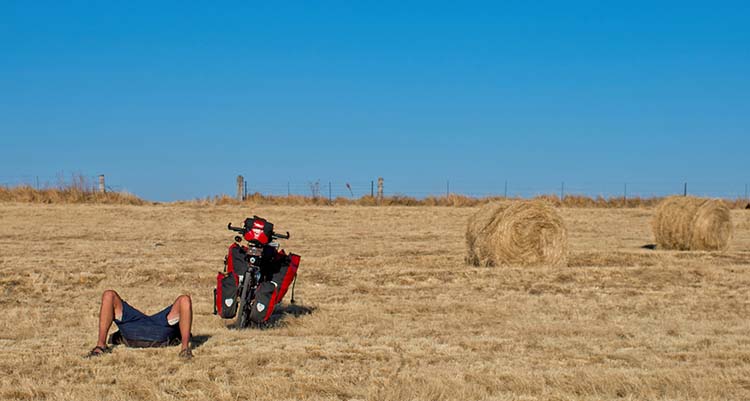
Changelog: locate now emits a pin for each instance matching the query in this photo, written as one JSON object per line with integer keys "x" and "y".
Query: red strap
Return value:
{"x": 218, "y": 300}
{"x": 230, "y": 259}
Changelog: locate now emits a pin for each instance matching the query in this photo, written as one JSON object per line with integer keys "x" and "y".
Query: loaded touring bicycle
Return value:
{"x": 257, "y": 274}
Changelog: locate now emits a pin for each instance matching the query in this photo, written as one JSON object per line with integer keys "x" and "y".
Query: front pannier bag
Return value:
{"x": 265, "y": 300}
{"x": 225, "y": 295}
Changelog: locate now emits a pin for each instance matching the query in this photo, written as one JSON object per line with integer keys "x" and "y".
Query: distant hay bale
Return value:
{"x": 516, "y": 233}
{"x": 692, "y": 224}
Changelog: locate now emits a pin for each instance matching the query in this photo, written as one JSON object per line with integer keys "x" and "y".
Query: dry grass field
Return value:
{"x": 396, "y": 313}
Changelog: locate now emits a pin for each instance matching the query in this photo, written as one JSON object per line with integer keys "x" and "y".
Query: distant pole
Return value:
{"x": 102, "y": 187}
{"x": 330, "y": 198}
{"x": 372, "y": 189}
{"x": 562, "y": 191}
{"x": 684, "y": 191}
{"x": 240, "y": 185}
{"x": 746, "y": 192}
{"x": 505, "y": 193}
{"x": 288, "y": 190}
{"x": 244, "y": 189}
{"x": 447, "y": 188}
{"x": 380, "y": 188}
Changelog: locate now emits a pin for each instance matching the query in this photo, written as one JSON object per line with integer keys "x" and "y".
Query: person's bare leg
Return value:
{"x": 111, "y": 308}
{"x": 182, "y": 309}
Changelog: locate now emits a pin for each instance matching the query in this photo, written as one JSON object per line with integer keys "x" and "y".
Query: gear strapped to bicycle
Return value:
{"x": 256, "y": 275}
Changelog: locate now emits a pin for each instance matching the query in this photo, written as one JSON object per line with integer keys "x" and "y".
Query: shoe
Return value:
{"x": 186, "y": 354}
{"x": 98, "y": 351}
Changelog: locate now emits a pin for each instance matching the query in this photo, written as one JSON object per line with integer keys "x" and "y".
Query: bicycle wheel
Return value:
{"x": 246, "y": 297}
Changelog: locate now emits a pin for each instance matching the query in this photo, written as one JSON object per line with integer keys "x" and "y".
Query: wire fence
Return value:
{"x": 643, "y": 189}
{"x": 333, "y": 189}
{"x": 88, "y": 182}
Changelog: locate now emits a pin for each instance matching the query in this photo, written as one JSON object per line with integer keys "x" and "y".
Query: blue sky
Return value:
{"x": 593, "y": 94}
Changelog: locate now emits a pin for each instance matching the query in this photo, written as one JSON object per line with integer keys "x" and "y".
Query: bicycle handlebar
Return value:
{"x": 242, "y": 230}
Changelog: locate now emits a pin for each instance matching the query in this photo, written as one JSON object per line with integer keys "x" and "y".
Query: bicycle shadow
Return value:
{"x": 279, "y": 316}
{"x": 294, "y": 310}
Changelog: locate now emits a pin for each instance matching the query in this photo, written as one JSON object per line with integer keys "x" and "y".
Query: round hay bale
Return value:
{"x": 477, "y": 228}
{"x": 688, "y": 223}
{"x": 522, "y": 233}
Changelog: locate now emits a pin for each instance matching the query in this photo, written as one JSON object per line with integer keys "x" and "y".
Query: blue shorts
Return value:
{"x": 135, "y": 325}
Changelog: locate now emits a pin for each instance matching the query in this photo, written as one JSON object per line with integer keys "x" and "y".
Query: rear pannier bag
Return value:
{"x": 237, "y": 260}
{"x": 258, "y": 230}
{"x": 265, "y": 300}
{"x": 225, "y": 295}
{"x": 286, "y": 275}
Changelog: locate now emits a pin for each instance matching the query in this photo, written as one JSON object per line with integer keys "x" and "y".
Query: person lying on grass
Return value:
{"x": 171, "y": 326}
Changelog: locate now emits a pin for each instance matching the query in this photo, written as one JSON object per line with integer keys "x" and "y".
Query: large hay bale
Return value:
{"x": 477, "y": 228}
{"x": 517, "y": 233}
{"x": 688, "y": 223}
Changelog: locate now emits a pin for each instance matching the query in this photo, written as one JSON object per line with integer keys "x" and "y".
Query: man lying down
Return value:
{"x": 171, "y": 326}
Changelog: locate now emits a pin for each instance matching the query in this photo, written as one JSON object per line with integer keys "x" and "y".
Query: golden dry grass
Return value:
{"x": 397, "y": 315}
{"x": 81, "y": 191}
{"x": 76, "y": 193}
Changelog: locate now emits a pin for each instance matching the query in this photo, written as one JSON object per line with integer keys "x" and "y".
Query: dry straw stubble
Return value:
{"x": 690, "y": 223}
{"x": 523, "y": 233}
{"x": 389, "y": 324}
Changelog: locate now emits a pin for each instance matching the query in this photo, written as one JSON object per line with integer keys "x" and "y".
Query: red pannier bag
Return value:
{"x": 227, "y": 284}
{"x": 265, "y": 301}
{"x": 270, "y": 293}
{"x": 225, "y": 295}
{"x": 286, "y": 275}
{"x": 236, "y": 260}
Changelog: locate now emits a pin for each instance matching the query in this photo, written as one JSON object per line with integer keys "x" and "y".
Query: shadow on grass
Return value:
{"x": 294, "y": 310}
{"x": 197, "y": 341}
{"x": 649, "y": 246}
{"x": 278, "y": 317}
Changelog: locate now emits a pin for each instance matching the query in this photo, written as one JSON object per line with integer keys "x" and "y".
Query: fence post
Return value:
{"x": 684, "y": 191}
{"x": 288, "y": 189}
{"x": 372, "y": 189}
{"x": 240, "y": 185}
{"x": 380, "y": 188}
{"x": 244, "y": 189}
{"x": 102, "y": 187}
{"x": 562, "y": 191}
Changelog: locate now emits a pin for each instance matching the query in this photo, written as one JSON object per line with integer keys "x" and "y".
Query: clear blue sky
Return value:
{"x": 592, "y": 93}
